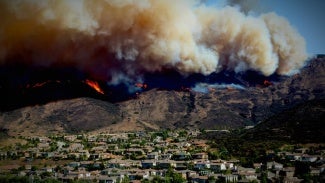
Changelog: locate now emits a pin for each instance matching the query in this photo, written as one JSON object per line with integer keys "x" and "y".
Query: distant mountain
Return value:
{"x": 154, "y": 109}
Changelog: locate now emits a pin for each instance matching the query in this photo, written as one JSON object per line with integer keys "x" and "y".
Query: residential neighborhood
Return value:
{"x": 166, "y": 156}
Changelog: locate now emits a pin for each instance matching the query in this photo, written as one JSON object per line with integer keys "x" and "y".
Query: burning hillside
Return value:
{"x": 212, "y": 107}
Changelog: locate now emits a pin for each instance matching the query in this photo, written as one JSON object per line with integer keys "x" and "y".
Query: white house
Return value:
{"x": 217, "y": 167}
{"x": 202, "y": 165}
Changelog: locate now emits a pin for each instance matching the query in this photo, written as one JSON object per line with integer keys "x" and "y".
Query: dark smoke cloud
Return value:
{"x": 118, "y": 41}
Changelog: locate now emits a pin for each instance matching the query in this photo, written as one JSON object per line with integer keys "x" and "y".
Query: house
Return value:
{"x": 200, "y": 165}
{"x": 274, "y": 165}
{"x": 153, "y": 155}
{"x": 228, "y": 178}
{"x": 47, "y": 154}
{"x": 94, "y": 156}
{"x": 165, "y": 164}
{"x": 181, "y": 165}
{"x": 186, "y": 174}
{"x": 247, "y": 173}
{"x": 145, "y": 164}
{"x": 148, "y": 149}
{"x": 47, "y": 169}
{"x": 257, "y": 165}
{"x": 301, "y": 150}
{"x": 70, "y": 138}
{"x": 112, "y": 172}
{"x": 272, "y": 177}
{"x": 200, "y": 156}
{"x": 44, "y": 139}
{"x": 116, "y": 163}
{"x": 43, "y": 145}
{"x": 287, "y": 172}
{"x": 102, "y": 139}
{"x": 181, "y": 156}
{"x": 74, "y": 164}
{"x": 137, "y": 174}
{"x": 315, "y": 171}
{"x": 217, "y": 166}
{"x": 229, "y": 165}
{"x": 79, "y": 174}
{"x": 166, "y": 156}
{"x": 136, "y": 151}
{"x": 199, "y": 179}
{"x": 309, "y": 158}
{"x": 85, "y": 153}
{"x": 99, "y": 149}
{"x": 3, "y": 155}
{"x": 106, "y": 179}
{"x": 92, "y": 139}
{"x": 200, "y": 144}
{"x": 106, "y": 156}
{"x": 85, "y": 163}
{"x": 74, "y": 147}
{"x": 112, "y": 146}
{"x": 293, "y": 156}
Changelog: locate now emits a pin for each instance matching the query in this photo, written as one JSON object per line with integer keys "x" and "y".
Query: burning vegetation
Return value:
{"x": 94, "y": 85}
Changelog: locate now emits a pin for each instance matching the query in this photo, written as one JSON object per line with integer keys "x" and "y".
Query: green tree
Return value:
{"x": 211, "y": 179}
{"x": 34, "y": 168}
{"x": 182, "y": 133}
{"x": 125, "y": 179}
{"x": 174, "y": 177}
{"x": 45, "y": 175}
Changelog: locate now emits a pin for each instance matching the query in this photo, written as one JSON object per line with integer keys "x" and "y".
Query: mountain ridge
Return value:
{"x": 156, "y": 109}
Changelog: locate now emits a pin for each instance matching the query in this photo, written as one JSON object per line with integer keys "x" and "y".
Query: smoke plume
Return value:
{"x": 125, "y": 38}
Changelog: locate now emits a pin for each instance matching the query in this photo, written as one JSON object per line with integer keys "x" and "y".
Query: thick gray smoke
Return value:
{"x": 125, "y": 37}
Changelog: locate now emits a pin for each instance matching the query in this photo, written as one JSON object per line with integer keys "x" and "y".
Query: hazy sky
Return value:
{"x": 307, "y": 16}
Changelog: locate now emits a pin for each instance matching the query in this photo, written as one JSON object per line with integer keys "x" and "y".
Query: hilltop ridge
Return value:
{"x": 156, "y": 109}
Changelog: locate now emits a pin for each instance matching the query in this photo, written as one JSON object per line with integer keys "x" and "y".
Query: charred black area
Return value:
{"x": 173, "y": 80}
{"x": 24, "y": 85}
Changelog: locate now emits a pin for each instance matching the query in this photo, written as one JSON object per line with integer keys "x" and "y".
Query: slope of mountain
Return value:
{"x": 66, "y": 116}
{"x": 303, "y": 123}
{"x": 155, "y": 109}
{"x": 227, "y": 107}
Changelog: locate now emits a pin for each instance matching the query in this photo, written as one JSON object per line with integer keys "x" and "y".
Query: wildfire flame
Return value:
{"x": 267, "y": 83}
{"x": 39, "y": 85}
{"x": 141, "y": 85}
{"x": 94, "y": 85}
{"x": 185, "y": 89}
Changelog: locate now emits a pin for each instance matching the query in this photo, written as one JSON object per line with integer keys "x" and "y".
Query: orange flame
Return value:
{"x": 141, "y": 85}
{"x": 94, "y": 85}
{"x": 185, "y": 89}
{"x": 267, "y": 83}
{"x": 38, "y": 85}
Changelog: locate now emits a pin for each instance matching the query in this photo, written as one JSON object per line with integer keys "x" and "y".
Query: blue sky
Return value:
{"x": 307, "y": 16}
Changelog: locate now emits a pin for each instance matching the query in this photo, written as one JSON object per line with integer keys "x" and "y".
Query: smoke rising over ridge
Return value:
{"x": 118, "y": 41}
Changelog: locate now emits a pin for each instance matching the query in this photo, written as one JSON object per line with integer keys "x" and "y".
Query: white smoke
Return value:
{"x": 135, "y": 36}
{"x": 207, "y": 88}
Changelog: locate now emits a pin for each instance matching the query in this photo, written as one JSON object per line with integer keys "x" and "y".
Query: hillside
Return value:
{"x": 227, "y": 108}
{"x": 66, "y": 116}
{"x": 155, "y": 109}
{"x": 301, "y": 124}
